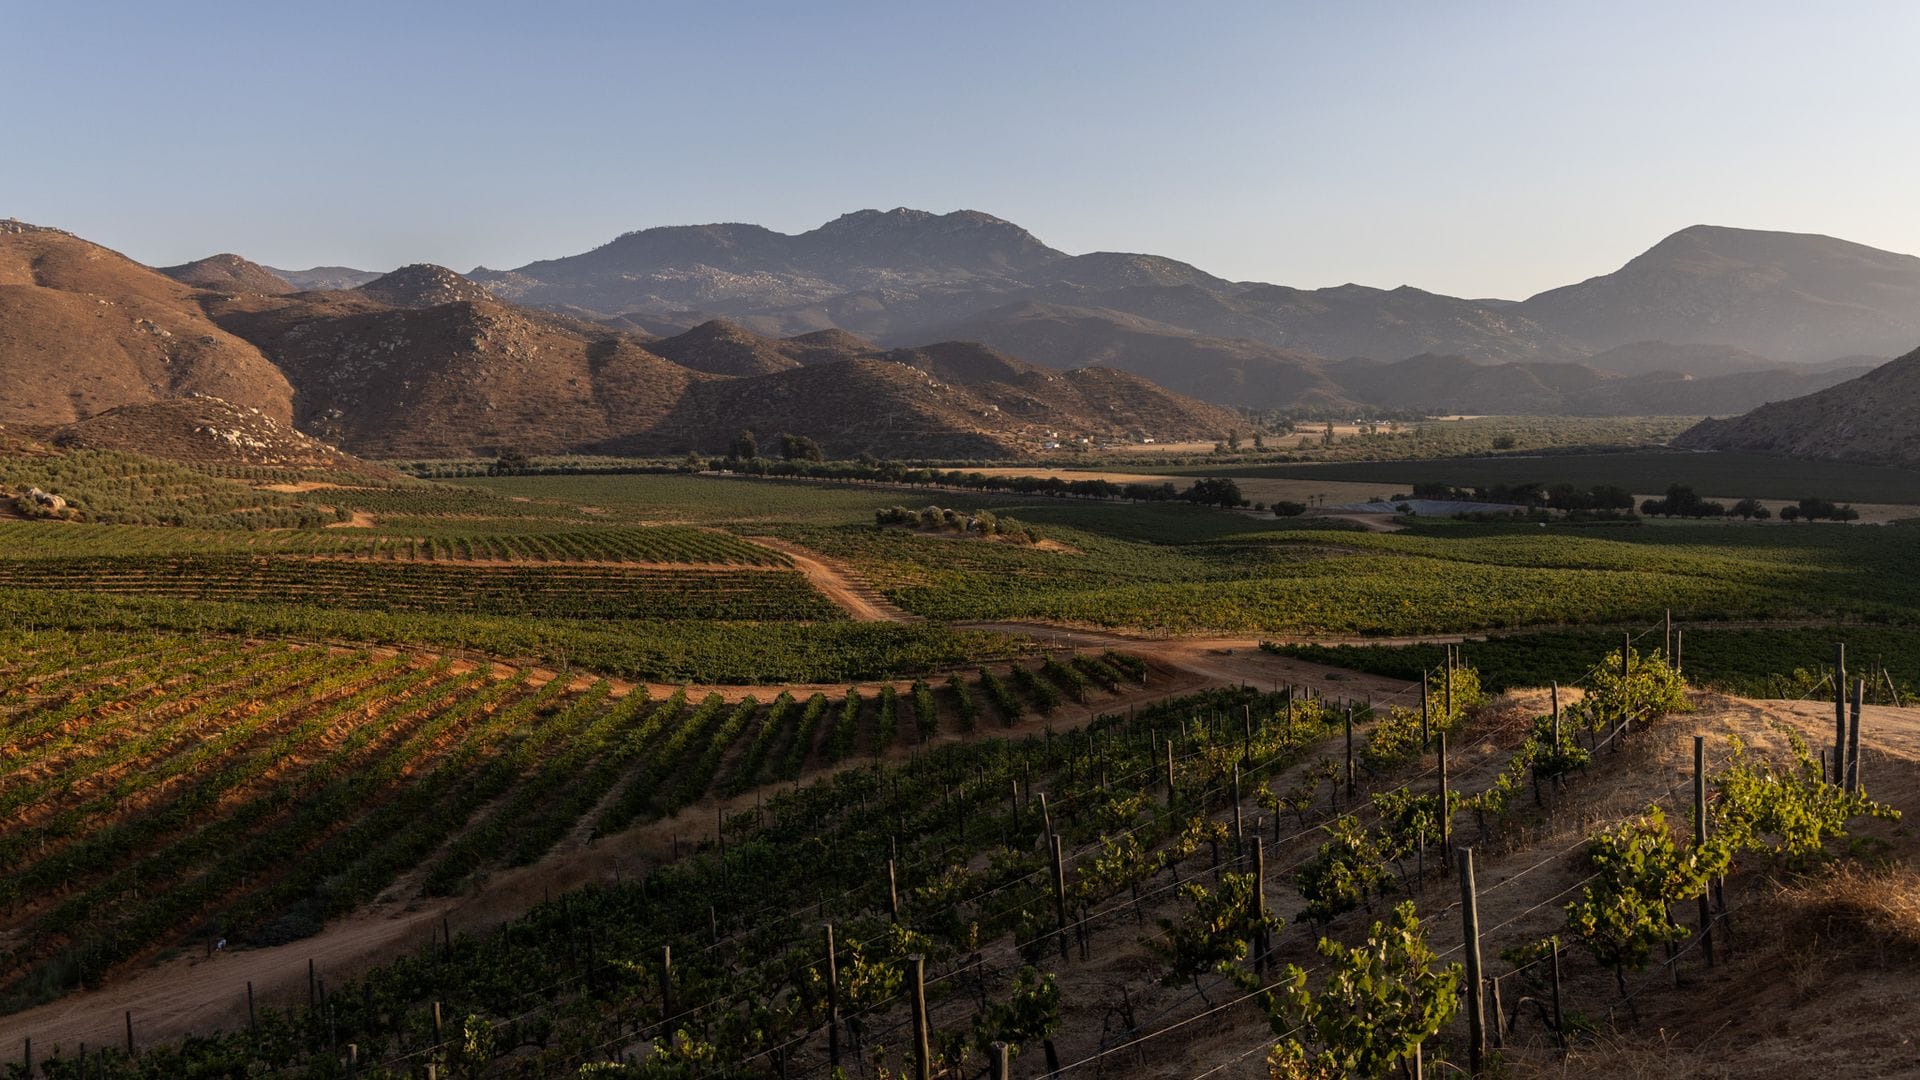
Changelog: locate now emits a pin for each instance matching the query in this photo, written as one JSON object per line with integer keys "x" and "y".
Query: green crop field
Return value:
{"x": 1179, "y": 569}
{"x": 217, "y": 730}
{"x": 540, "y": 567}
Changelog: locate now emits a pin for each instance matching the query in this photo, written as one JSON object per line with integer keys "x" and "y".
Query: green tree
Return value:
{"x": 799, "y": 448}
{"x": 745, "y": 446}
{"x": 1214, "y": 491}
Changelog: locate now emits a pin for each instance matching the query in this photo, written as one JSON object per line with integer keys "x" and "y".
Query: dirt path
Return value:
{"x": 546, "y": 564}
{"x": 861, "y": 601}
{"x": 1369, "y": 522}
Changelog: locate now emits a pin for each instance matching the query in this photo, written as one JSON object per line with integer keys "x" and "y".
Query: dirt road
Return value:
{"x": 861, "y": 601}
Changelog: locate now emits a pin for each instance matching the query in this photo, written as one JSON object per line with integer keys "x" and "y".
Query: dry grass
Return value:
{"x": 1852, "y": 902}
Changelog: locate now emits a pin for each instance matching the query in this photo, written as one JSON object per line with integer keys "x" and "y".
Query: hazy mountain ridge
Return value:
{"x": 1706, "y": 302}
{"x": 323, "y": 277}
{"x": 1792, "y": 296}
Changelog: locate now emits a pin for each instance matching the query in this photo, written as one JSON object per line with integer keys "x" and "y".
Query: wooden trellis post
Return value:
{"x": 1700, "y": 840}
{"x": 1839, "y": 714}
{"x": 1853, "y": 737}
{"x": 1446, "y": 818}
{"x": 1470, "y": 941}
{"x": 922, "y": 1041}
{"x": 833, "y": 1001}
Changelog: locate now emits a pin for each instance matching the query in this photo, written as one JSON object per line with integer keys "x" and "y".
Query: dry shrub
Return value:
{"x": 1870, "y": 905}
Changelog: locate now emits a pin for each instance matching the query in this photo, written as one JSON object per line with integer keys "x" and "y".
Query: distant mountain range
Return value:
{"x": 1706, "y": 301}
{"x": 672, "y": 338}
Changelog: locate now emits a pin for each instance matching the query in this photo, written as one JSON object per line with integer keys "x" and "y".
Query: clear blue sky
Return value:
{"x": 1484, "y": 149}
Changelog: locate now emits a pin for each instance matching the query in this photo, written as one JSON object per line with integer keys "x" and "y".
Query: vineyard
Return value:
{"x": 1767, "y": 663}
{"x": 1270, "y": 872}
{"x": 575, "y": 592}
{"x": 157, "y": 785}
{"x": 409, "y": 540}
{"x": 1240, "y": 576}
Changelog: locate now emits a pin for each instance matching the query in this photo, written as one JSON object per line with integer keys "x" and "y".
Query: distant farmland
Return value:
{"x": 1723, "y": 474}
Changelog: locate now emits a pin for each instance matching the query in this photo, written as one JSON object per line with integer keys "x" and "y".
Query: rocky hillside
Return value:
{"x": 98, "y": 351}
{"x": 228, "y": 273}
{"x": 423, "y": 285}
{"x": 1873, "y": 418}
{"x": 1237, "y": 370}
{"x": 954, "y": 399}
{"x": 718, "y": 347}
{"x": 383, "y": 372}
{"x": 902, "y": 276}
{"x": 84, "y": 329}
{"x": 205, "y": 430}
{"x": 471, "y": 376}
{"x": 426, "y": 362}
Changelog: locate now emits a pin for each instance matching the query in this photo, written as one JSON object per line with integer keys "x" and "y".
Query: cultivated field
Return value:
{"x": 577, "y": 719}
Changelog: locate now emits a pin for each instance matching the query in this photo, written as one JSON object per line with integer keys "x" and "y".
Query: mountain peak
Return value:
{"x": 424, "y": 285}
{"x": 1798, "y": 297}
{"x": 967, "y": 241}
{"x": 907, "y": 216}
{"x": 22, "y": 228}
{"x": 227, "y": 271}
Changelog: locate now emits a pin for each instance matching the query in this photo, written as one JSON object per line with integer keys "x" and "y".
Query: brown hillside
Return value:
{"x": 955, "y": 399}
{"x": 84, "y": 329}
{"x": 423, "y": 362}
{"x": 719, "y": 347}
{"x": 826, "y": 346}
{"x": 850, "y": 407}
{"x": 228, "y": 273}
{"x": 1874, "y": 418}
{"x": 206, "y": 430}
{"x": 464, "y": 377}
{"x": 423, "y": 285}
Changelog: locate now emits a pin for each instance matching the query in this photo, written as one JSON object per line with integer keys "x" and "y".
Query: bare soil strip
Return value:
{"x": 861, "y": 601}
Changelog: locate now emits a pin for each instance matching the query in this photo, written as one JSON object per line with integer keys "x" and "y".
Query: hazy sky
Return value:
{"x": 1489, "y": 149}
